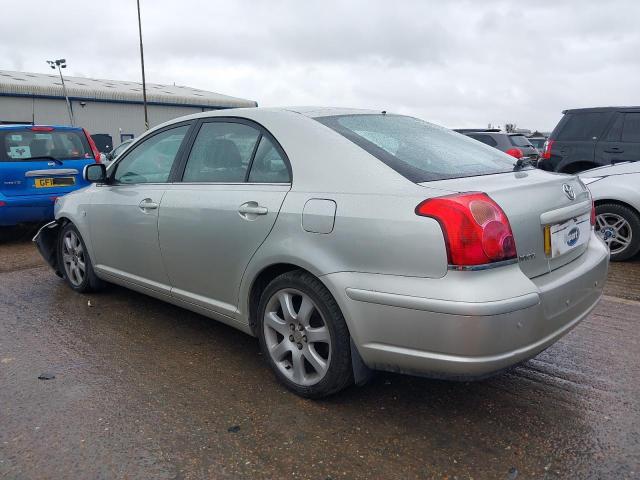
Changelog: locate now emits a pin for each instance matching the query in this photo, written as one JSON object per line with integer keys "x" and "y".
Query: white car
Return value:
{"x": 616, "y": 193}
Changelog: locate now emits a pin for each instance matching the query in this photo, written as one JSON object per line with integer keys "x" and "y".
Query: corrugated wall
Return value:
{"x": 97, "y": 117}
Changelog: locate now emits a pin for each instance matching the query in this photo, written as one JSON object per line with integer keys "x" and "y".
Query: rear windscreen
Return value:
{"x": 25, "y": 145}
{"x": 519, "y": 141}
{"x": 418, "y": 150}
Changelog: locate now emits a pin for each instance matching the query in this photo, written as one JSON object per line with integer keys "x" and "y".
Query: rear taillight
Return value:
{"x": 546, "y": 154}
{"x": 2, "y": 204}
{"x": 515, "y": 152}
{"x": 41, "y": 129}
{"x": 476, "y": 230}
{"x": 92, "y": 145}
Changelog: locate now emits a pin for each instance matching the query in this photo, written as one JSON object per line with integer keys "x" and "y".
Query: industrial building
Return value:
{"x": 111, "y": 110}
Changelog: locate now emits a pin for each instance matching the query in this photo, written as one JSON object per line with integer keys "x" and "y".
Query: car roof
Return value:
{"x": 28, "y": 125}
{"x": 601, "y": 109}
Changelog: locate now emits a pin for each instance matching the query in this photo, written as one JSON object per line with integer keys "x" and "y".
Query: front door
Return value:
{"x": 234, "y": 182}
{"x": 123, "y": 216}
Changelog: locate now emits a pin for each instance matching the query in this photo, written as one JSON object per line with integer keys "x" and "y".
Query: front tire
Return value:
{"x": 619, "y": 227}
{"x": 303, "y": 335}
{"x": 74, "y": 262}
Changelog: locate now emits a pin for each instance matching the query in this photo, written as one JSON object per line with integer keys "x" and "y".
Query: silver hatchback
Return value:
{"x": 345, "y": 240}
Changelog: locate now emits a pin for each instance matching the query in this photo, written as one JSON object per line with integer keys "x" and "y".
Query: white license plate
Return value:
{"x": 569, "y": 235}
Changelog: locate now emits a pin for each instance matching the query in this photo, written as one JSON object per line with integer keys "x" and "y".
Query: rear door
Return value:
{"x": 42, "y": 160}
{"x": 235, "y": 180}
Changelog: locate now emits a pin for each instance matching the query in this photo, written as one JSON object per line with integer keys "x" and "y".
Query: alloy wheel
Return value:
{"x": 297, "y": 337}
{"x": 73, "y": 258}
{"x": 614, "y": 230}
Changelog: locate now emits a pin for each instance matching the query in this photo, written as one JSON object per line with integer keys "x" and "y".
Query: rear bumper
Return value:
{"x": 472, "y": 324}
{"x": 26, "y": 209}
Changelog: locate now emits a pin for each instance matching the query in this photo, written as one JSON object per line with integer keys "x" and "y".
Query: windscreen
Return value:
{"x": 418, "y": 150}
{"x": 25, "y": 144}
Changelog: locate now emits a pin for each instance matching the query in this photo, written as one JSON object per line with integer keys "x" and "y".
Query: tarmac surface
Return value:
{"x": 143, "y": 389}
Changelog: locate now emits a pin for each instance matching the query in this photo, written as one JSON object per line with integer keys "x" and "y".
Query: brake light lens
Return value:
{"x": 41, "y": 129}
{"x": 546, "y": 154}
{"x": 476, "y": 230}
{"x": 92, "y": 145}
{"x": 2, "y": 204}
{"x": 515, "y": 152}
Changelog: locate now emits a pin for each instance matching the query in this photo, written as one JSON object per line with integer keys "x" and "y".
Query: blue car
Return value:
{"x": 38, "y": 164}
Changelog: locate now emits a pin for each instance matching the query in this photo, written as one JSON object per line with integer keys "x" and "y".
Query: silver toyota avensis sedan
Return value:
{"x": 345, "y": 240}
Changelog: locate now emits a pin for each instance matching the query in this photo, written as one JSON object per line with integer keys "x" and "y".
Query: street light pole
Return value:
{"x": 144, "y": 83}
{"x": 62, "y": 63}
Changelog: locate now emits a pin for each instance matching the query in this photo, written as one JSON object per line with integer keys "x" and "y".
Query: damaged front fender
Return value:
{"x": 46, "y": 241}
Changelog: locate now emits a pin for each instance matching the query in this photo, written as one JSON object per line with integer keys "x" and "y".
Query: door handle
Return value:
{"x": 257, "y": 210}
{"x": 250, "y": 210}
{"x": 147, "y": 204}
{"x": 614, "y": 150}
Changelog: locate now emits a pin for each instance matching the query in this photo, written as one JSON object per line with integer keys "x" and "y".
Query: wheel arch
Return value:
{"x": 260, "y": 282}
{"x": 578, "y": 166}
{"x": 622, "y": 203}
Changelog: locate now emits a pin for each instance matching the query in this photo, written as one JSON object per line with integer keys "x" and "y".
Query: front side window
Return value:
{"x": 221, "y": 153}
{"x": 151, "y": 161}
{"x": 268, "y": 165}
{"x": 418, "y": 150}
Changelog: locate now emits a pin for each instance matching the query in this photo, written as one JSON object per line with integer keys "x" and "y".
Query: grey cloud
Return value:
{"x": 461, "y": 63}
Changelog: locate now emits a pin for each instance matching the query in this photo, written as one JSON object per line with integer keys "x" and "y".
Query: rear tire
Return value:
{"x": 303, "y": 335}
{"x": 74, "y": 262}
{"x": 619, "y": 227}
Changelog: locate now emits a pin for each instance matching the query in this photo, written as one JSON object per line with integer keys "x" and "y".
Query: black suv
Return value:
{"x": 591, "y": 137}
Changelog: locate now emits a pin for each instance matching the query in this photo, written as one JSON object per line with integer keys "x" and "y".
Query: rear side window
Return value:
{"x": 631, "y": 128}
{"x": 519, "y": 141}
{"x": 486, "y": 139}
{"x": 582, "y": 126}
{"x": 418, "y": 150}
{"x": 27, "y": 144}
{"x": 268, "y": 165}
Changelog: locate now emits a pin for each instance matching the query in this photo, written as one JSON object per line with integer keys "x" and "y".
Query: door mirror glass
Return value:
{"x": 95, "y": 173}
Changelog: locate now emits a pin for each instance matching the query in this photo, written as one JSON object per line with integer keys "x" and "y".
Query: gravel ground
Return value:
{"x": 143, "y": 389}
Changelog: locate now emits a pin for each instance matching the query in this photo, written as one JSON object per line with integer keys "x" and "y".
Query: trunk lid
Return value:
{"x": 531, "y": 199}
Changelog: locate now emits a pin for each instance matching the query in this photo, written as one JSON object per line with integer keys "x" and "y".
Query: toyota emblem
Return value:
{"x": 568, "y": 191}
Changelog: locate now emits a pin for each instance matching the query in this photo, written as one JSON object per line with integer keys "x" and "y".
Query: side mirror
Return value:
{"x": 109, "y": 156}
{"x": 95, "y": 173}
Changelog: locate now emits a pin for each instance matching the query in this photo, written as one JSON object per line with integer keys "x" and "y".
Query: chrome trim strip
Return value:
{"x": 452, "y": 307}
{"x": 485, "y": 266}
{"x": 562, "y": 214}
{"x": 44, "y": 173}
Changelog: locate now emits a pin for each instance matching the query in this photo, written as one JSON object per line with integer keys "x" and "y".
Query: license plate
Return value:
{"x": 49, "y": 182}
{"x": 569, "y": 235}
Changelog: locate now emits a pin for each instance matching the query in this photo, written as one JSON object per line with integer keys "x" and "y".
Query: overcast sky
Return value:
{"x": 457, "y": 63}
